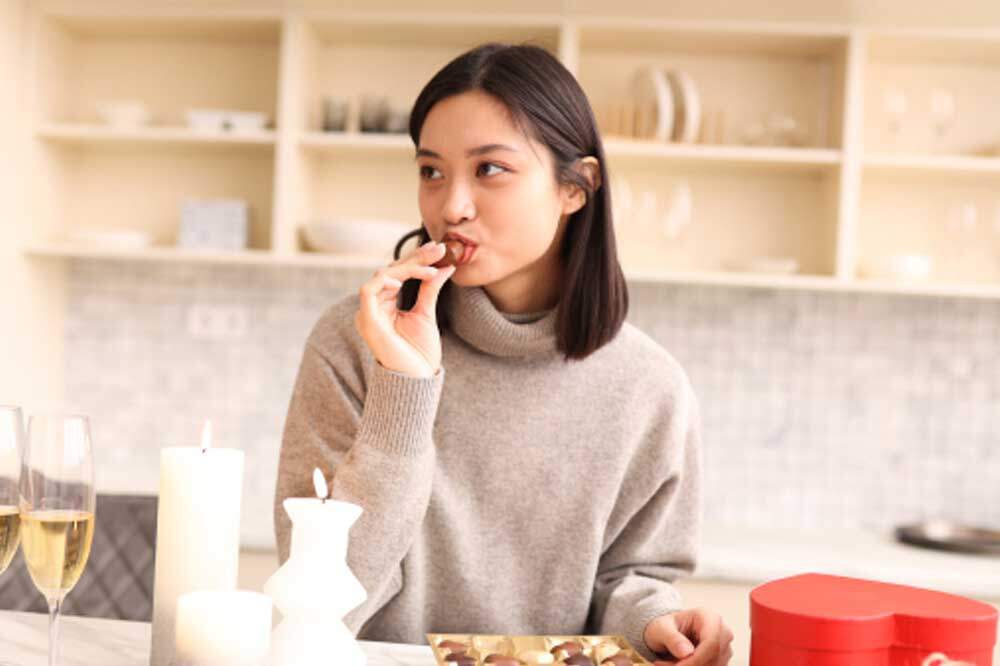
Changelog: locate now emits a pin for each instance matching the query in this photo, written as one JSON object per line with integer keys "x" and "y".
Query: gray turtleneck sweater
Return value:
{"x": 514, "y": 492}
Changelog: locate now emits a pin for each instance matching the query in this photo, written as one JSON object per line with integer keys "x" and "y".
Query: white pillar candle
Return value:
{"x": 197, "y": 533}
{"x": 223, "y": 628}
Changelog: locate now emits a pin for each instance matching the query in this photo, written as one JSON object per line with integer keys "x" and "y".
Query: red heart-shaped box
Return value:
{"x": 820, "y": 620}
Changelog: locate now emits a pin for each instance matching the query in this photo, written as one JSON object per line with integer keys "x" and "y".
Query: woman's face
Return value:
{"x": 484, "y": 183}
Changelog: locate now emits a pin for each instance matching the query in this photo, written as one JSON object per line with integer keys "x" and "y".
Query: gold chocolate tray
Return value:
{"x": 502, "y": 650}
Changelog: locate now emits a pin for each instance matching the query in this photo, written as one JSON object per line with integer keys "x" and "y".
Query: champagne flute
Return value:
{"x": 11, "y": 443}
{"x": 57, "y": 509}
{"x": 11, "y": 432}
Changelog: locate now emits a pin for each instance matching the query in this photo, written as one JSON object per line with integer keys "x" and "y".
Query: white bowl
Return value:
{"x": 123, "y": 114}
{"x": 356, "y": 236}
{"x": 908, "y": 267}
{"x": 206, "y": 120}
{"x": 246, "y": 121}
{"x": 904, "y": 268}
{"x": 220, "y": 120}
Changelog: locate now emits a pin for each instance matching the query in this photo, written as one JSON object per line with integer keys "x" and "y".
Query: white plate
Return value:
{"x": 651, "y": 89}
{"x": 687, "y": 104}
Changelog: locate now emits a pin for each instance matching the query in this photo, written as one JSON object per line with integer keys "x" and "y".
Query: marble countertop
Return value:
{"x": 93, "y": 642}
{"x": 754, "y": 555}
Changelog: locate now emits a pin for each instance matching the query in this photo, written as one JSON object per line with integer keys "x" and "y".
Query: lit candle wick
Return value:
{"x": 319, "y": 483}
{"x": 206, "y": 436}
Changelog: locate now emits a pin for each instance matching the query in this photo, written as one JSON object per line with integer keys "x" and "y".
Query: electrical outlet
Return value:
{"x": 217, "y": 322}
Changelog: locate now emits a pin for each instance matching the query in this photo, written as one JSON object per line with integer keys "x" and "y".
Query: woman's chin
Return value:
{"x": 465, "y": 278}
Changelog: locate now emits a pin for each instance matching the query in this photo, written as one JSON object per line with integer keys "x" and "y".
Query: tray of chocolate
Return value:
{"x": 499, "y": 650}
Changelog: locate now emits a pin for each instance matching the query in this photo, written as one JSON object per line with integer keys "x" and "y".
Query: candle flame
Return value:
{"x": 206, "y": 435}
{"x": 322, "y": 491}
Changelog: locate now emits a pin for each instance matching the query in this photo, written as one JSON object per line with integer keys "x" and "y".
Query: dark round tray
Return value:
{"x": 951, "y": 537}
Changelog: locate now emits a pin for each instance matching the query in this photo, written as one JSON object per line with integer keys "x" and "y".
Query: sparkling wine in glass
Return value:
{"x": 11, "y": 446}
{"x": 57, "y": 500}
{"x": 11, "y": 434}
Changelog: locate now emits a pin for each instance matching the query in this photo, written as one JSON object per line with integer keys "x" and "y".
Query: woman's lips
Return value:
{"x": 470, "y": 251}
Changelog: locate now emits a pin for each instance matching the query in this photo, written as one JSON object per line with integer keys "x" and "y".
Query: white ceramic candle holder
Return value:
{"x": 315, "y": 589}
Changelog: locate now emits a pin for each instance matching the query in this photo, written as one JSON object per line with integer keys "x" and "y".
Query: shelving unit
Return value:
{"x": 932, "y": 162}
{"x": 92, "y": 175}
{"x": 854, "y": 194}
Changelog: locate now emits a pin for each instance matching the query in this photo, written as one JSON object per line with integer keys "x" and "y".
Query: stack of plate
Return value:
{"x": 670, "y": 108}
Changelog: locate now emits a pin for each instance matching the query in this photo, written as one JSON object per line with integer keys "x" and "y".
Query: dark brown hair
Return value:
{"x": 546, "y": 103}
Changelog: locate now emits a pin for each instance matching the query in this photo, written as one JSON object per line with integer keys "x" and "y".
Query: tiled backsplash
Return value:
{"x": 819, "y": 409}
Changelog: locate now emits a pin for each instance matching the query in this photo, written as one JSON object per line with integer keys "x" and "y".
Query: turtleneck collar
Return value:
{"x": 475, "y": 319}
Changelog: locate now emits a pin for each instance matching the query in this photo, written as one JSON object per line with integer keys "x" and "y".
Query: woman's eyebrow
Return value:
{"x": 488, "y": 148}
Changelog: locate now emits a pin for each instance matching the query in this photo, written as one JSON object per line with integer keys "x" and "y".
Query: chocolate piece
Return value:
{"x": 452, "y": 254}
{"x": 453, "y": 646}
{"x": 461, "y": 659}
{"x": 567, "y": 649}
{"x": 579, "y": 659}
{"x": 502, "y": 660}
{"x": 620, "y": 659}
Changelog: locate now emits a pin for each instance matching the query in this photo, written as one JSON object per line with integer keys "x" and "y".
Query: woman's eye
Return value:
{"x": 428, "y": 172}
{"x": 489, "y": 165}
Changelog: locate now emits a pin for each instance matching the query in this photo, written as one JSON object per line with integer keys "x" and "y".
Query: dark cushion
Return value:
{"x": 118, "y": 581}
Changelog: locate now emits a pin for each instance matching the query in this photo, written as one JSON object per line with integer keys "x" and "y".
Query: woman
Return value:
{"x": 527, "y": 462}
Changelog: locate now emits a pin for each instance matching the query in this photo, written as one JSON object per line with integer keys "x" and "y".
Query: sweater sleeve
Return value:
{"x": 374, "y": 445}
{"x": 657, "y": 545}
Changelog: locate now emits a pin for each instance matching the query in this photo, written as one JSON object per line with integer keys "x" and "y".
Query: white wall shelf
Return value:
{"x": 97, "y": 134}
{"x": 804, "y": 158}
{"x": 837, "y": 204}
{"x": 955, "y": 164}
{"x": 348, "y": 262}
{"x": 168, "y": 254}
{"x": 356, "y": 141}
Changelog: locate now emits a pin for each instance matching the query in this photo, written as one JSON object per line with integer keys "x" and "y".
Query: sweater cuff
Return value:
{"x": 645, "y": 612}
{"x": 399, "y": 411}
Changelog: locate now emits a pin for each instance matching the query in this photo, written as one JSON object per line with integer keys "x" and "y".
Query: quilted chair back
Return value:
{"x": 118, "y": 581}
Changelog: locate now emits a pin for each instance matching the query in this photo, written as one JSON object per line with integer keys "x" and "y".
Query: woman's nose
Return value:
{"x": 459, "y": 205}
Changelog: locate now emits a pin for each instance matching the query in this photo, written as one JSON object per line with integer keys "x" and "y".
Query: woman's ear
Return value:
{"x": 575, "y": 197}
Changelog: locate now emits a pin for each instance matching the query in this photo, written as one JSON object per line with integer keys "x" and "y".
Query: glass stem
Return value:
{"x": 55, "y": 605}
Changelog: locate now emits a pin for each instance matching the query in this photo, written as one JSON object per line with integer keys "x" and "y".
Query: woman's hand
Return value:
{"x": 694, "y": 637}
{"x": 405, "y": 342}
